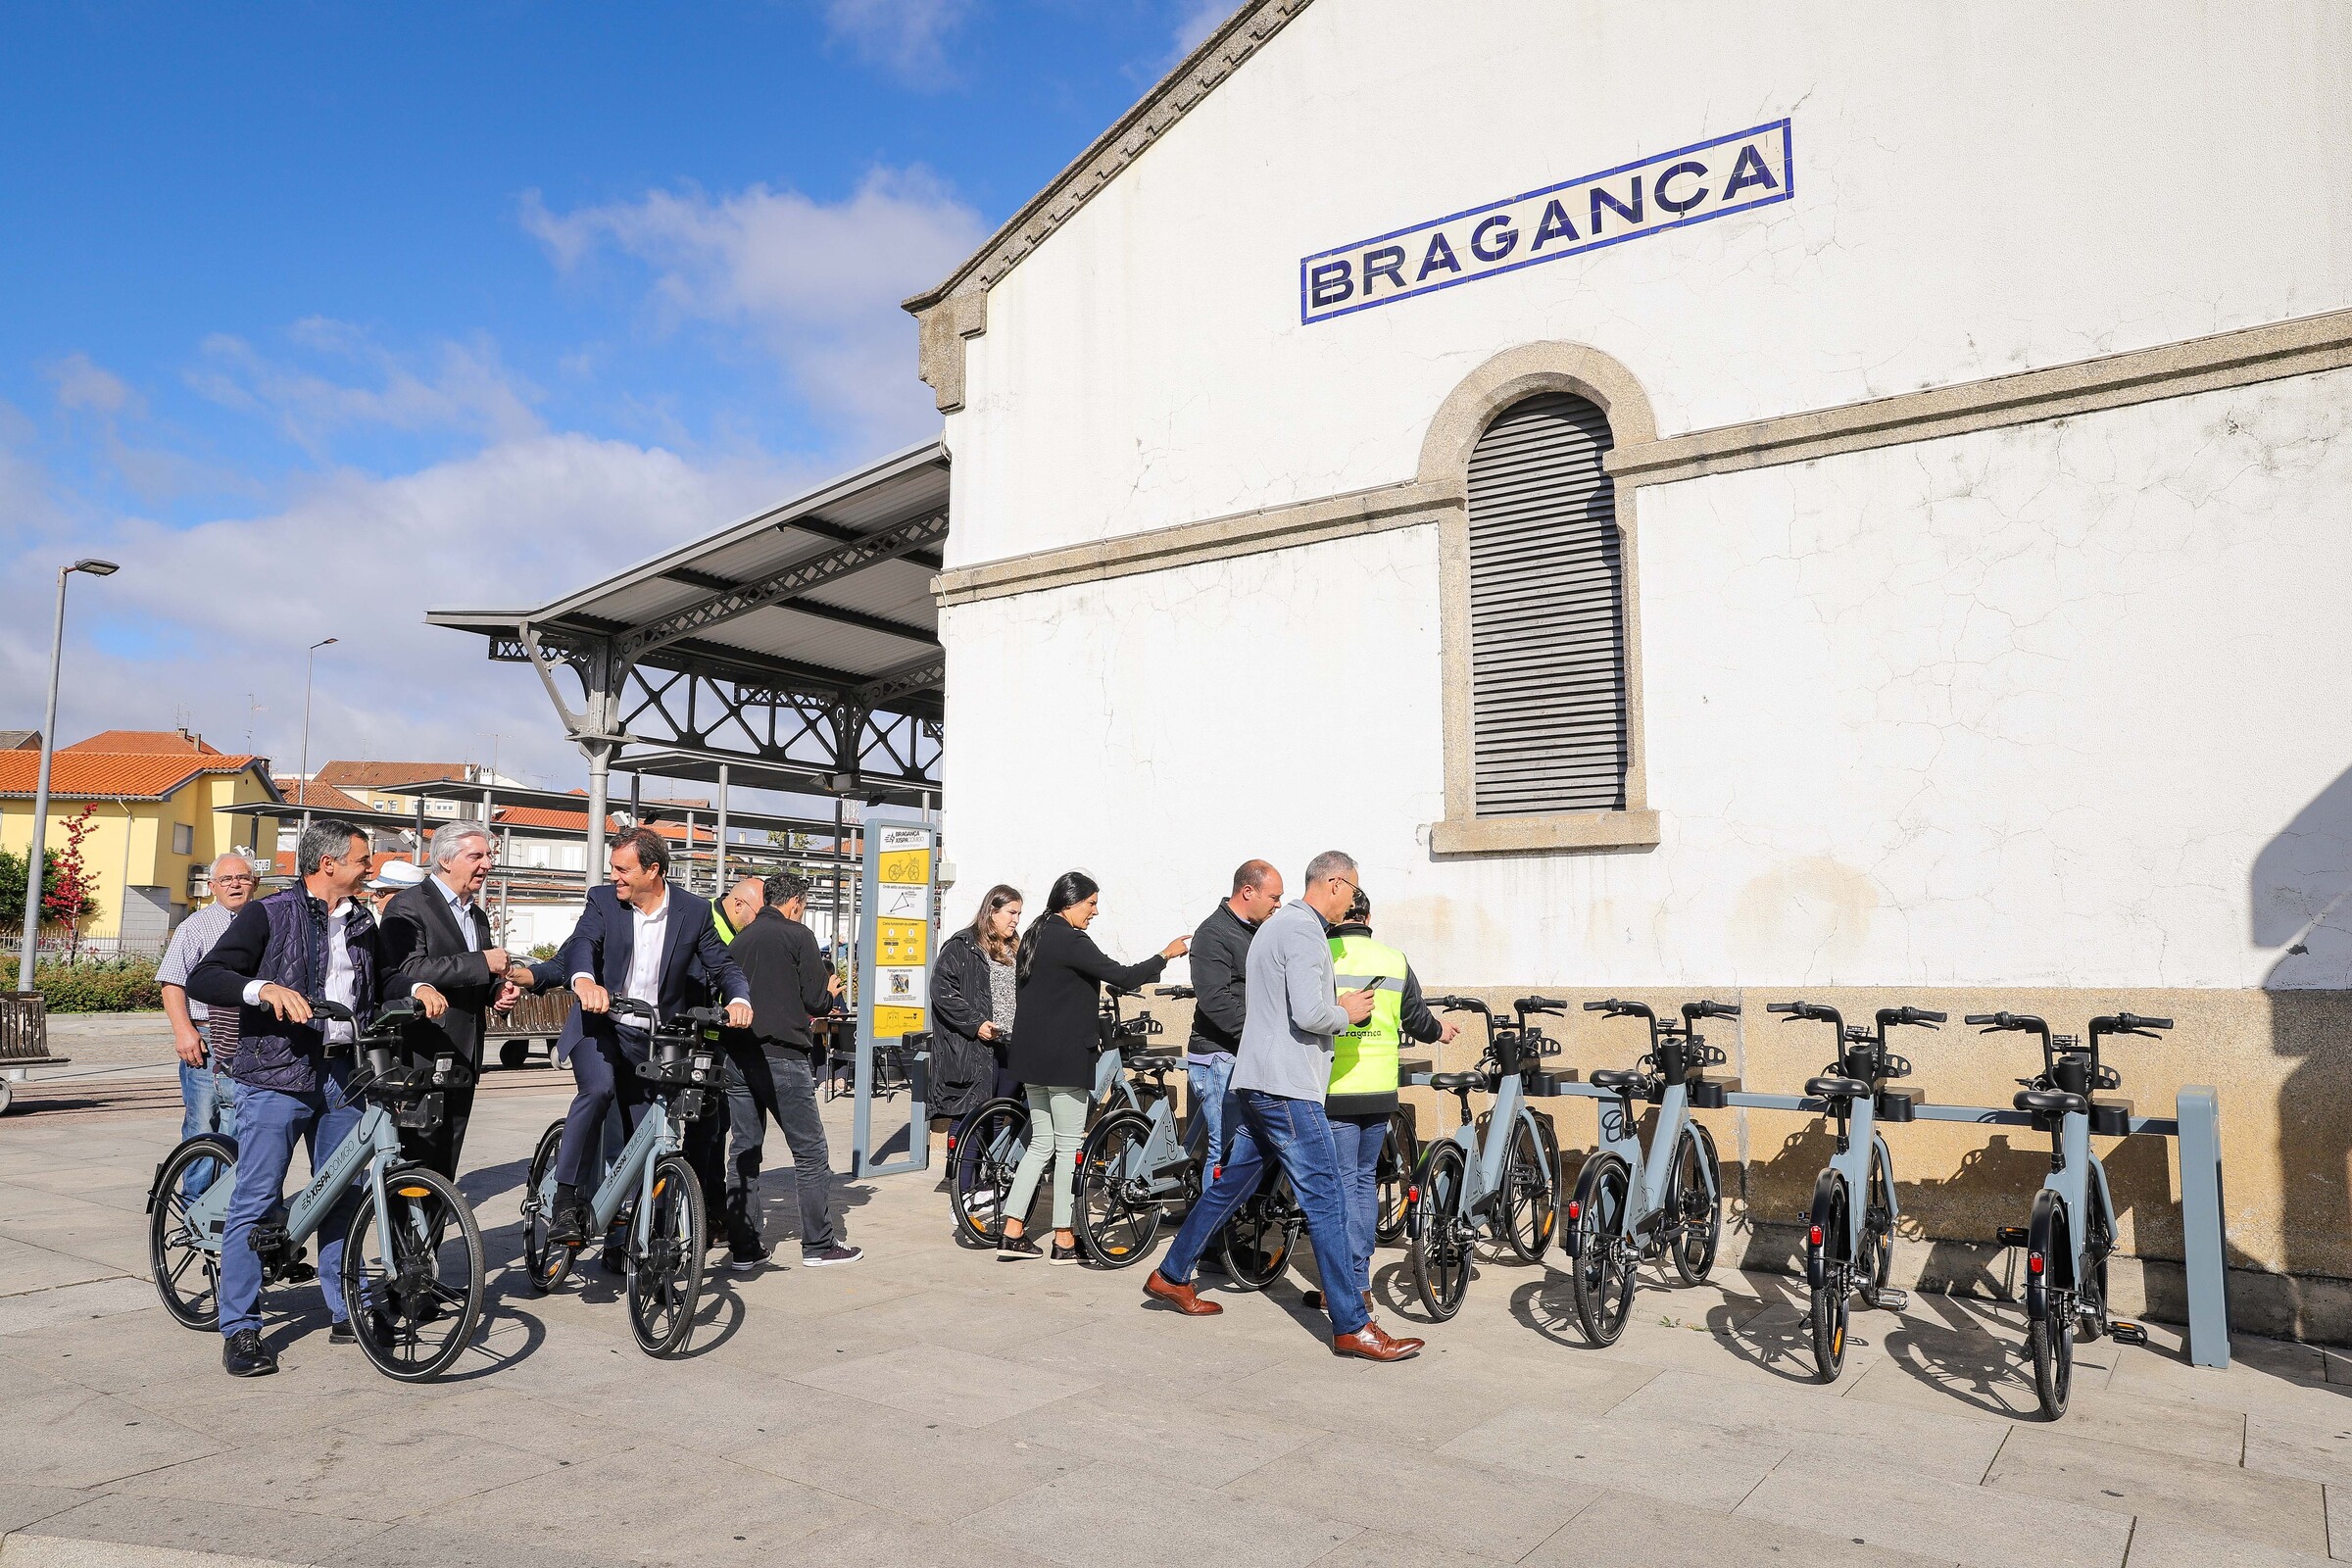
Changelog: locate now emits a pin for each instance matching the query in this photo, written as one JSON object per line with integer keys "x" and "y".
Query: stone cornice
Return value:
{"x": 1219, "y": 57}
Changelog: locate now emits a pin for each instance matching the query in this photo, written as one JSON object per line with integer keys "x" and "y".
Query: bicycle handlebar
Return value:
{"x": 1527, "y": 1004}
{"x": 1454, "y": 1003}
{"x": 1919, "y": 1016}
{"x": 1693, "y": 1011}
{"x": 1177, "y": 993}
{"x": 2004, "y": 1020}
{"x": 2128, "y": 1023}
{"x": 1622, "y": 1010}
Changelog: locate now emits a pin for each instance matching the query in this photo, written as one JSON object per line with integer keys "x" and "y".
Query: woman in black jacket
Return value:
{"x": 971, "y": 1002}
{"x": 1060, "y": 978}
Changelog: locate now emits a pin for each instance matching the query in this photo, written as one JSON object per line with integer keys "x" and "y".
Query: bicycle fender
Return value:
{"x": 2044, "y": 1234}
{"x": 1894, "y": 1211}
{"x": 1826, "y": 1216}
{"x": 1587, "y": 1184}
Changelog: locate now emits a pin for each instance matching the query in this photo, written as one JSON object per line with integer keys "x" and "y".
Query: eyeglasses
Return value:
{"x": 233, "y": 877}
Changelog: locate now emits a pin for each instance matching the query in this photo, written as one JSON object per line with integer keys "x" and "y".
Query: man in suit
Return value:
{"x": 435, "y": 933}
{"x": 642, "y": 938}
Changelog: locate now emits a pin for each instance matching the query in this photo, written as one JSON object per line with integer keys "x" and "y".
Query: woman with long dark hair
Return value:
{"x": 972, "y": 1004}
{"x": 1058, "y": 977}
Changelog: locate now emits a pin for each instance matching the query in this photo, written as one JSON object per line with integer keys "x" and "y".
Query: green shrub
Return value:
{"x": 545, "y": 950}
{"x": 99, "y": 985}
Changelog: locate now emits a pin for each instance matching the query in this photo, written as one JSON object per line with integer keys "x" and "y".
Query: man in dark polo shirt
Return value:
{"x": 790, "y": 981}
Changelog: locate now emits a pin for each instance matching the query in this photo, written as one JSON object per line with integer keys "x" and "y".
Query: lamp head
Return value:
{"x": 95, "y": 566}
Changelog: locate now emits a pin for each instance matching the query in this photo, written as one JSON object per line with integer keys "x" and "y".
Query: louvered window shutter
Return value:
{"x": 1546, "y": 613}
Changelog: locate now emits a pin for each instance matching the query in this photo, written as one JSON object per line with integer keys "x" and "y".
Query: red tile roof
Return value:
{"x": 389, "y": 775}
{"x": 153, "y": 741}
{"x": 319, "y": 797}
{"x": 113, "y": 775}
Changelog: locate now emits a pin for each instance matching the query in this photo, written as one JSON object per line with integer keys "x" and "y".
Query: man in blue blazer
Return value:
{"x": 638, "y": 937}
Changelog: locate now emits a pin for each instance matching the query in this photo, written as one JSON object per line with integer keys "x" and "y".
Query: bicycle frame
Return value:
{"x": 2077, "y": 1178}
{"x": 1621, "y": 1128}
{"x": 632, "y": 1173}
{"x": 1483, "y": 1163}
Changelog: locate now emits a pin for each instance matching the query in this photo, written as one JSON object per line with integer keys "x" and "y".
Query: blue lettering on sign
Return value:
{"x": 1733, "y": 173}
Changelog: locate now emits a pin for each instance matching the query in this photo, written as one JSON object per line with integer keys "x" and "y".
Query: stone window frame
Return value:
{"x": 1508, "y": 379}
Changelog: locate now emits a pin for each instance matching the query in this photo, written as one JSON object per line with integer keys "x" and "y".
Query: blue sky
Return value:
{"x": 321, "y": 313}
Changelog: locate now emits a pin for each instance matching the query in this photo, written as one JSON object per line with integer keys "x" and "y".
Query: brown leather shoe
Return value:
{"x": 1375, "y": 1343}
{"x": 1184, "y": 1297}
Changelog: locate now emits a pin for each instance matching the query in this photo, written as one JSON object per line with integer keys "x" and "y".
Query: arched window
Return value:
{"x": 1548, "y": 656}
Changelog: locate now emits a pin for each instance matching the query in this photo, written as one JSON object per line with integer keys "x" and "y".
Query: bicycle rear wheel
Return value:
{"x": 1831, "y": 1302}
{"x": 1695, "y": 1205}
{"x": 1600, "y": 1286}
{"x": 987, "y": 1152}
{"x": 1260, "y": 1238}
{"x": 1441, "y": 1235}
{"x": 665, "y": 1271}
{"x": 543, "y": 1260}
{"x": 415, "y": 1306}
{"x": 1399, "y": 1157}
{"x": 1530, "y": 1214}
{"x": 2050, "y": 1337}
{"x": 187, "y": 1271}
{"x": 1118, "y": 1219}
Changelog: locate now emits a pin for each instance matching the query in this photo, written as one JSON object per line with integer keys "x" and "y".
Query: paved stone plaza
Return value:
{"x": 932, "y": 1406}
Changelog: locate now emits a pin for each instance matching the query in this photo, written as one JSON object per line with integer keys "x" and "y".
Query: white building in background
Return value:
{"x": 1714, "y": 498}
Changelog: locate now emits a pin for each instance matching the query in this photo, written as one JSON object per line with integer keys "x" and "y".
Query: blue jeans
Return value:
{"x": 1296, "y": 1135}
{"x": 269, "y": 1122}
{"x": 207, "y": 1106}
{"x": 1357, "y": 1139}
{"x": 1208, "y": 1082}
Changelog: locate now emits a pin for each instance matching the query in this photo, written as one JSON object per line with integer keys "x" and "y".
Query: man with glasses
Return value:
{"x": 1280, "y": 1076}
{"x": 206, "y": 1038}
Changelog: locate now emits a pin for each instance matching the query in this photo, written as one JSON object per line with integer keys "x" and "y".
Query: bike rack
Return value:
{"x": 2195, "y": 1127}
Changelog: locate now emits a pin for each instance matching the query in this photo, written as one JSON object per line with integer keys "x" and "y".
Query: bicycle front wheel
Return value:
{"x": 186, "y": 1263}
{"x": 1258, "y": 1240}
{"x": 1601, "y": 1287}
{"x": 413, "y": 1275}
{"x": 666, "y": 1268}
{"x": 987, "y": 1152}
{"x": 1118, "y": 1219}
{"x": 1529, "y": 1213}
{"x": 1695, "y": 1205}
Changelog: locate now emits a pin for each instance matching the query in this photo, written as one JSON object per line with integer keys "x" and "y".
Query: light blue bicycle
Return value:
{"x": 2072, "y": 1232}
{"x": 412, "y": 1283}
{"x": 1629, "y": 1206}
{"x": 1850, "y": 1232}
{"x": 649, "y": 1188}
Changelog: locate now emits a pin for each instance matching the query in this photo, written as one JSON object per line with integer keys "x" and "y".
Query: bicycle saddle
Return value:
{"x": 1457, "y": 1082}
{"x": 1835, "y": 1088}
{"x": 2051, "y": 1102}
{"x": 1624, "y": 1080}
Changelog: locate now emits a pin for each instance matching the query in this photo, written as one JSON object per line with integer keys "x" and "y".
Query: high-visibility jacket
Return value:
{"x": 1363, "y": 1059}
{"x": 719, "y": 922}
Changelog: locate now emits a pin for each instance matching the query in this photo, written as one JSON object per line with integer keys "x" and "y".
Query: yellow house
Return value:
{"x": 153, "y": 830}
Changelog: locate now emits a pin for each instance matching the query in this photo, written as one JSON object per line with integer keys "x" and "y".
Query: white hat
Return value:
{"x": 398, "y": 874}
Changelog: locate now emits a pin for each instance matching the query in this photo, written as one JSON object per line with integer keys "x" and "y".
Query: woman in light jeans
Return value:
{"x": 1057, "y": 980}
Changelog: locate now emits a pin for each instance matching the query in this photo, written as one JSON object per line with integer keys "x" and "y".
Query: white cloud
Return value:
{"x": 198, "y": 617}
{"x": 821, "y": 281}
{"x": 83, "y": 386}
{"x": 907, "y": 38}
{"x": 1196, "y": 22}
{"x": 462, "y": 386}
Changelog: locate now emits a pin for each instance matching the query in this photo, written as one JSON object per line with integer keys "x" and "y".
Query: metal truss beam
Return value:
{"x": 821, "y": 565}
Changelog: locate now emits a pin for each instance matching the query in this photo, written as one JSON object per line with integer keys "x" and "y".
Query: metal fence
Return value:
{"x": 58, "y": 948}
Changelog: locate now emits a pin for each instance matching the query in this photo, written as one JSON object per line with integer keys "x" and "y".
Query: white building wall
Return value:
{"x": 2022, "y": 708}
{"x": 1981, "y": 189}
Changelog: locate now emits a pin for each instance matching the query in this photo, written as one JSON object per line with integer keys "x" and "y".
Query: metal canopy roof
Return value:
{"x": 804, "y": 638}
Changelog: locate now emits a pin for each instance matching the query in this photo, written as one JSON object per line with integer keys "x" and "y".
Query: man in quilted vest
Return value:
{"x": 312, "y": 942}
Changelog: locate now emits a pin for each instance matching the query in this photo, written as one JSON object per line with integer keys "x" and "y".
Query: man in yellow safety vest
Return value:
{"x": 1363, "y": 1073}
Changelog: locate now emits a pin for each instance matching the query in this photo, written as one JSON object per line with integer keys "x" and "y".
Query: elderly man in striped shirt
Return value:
{"x": 206, "y": 1038}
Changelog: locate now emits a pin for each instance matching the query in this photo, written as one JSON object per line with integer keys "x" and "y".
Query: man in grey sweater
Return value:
{"x": 1281, "y": 1070}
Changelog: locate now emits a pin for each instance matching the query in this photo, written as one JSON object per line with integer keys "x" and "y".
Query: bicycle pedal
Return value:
{"x": 1886, "y": 1299}
{"x": 297, "y": 1273}
{"x": 2010, "y": 1236}
{"x": 2127, "y": 1333}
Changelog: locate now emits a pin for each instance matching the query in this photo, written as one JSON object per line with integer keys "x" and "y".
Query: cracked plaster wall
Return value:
{"x": 1981, "y": 189}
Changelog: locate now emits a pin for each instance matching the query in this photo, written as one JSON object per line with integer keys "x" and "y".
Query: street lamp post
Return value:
{"x": 309, "y": 663}
{"x": 40, "y": 790}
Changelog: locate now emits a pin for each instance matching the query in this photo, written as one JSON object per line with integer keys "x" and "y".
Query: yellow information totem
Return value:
{"x": 894, "y": 969}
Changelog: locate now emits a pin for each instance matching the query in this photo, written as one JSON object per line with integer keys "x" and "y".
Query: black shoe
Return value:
{"x": 1066, "y": 1255}
{"x": 1313, "y": 1300}
{"x": 245, "y": 1356}
{"x": 297, "y": 1273}
{"x": 612, "y": 1261}
{"x": 1012, "y": 1248}
{"x": 827, "y": 1257}
{"x": 745, "y": 1256}
{"x": 342, "y": 1333}
{"x": 568, "y": 1226}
